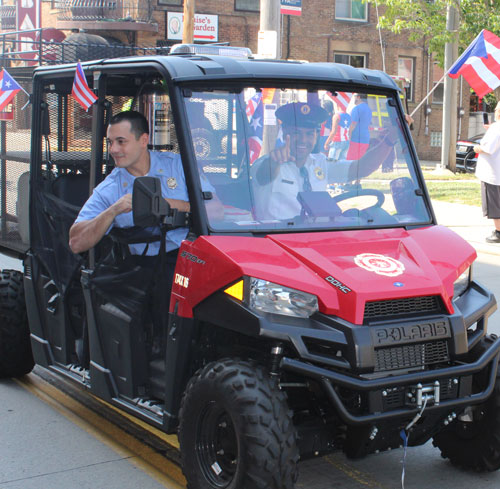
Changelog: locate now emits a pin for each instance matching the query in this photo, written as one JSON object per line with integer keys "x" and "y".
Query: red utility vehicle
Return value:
{"x": 337, "y": 320}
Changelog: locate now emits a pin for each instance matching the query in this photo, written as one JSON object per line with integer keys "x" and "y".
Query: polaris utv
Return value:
{"x": 342, "y": 326}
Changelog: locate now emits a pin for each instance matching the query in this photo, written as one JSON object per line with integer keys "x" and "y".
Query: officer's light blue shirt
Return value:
{"x": 168, "y": 168}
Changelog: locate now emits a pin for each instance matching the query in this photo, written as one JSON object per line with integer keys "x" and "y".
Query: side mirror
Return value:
{"x": 148, "y": 205}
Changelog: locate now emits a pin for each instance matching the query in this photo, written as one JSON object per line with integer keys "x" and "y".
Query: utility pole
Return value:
{"x": 270, "y": 29}
{"x": 449, "y": 134}
{"x": 188, "y": 22}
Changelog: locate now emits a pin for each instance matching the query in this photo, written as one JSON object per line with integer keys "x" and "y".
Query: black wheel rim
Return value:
{"x": 217, "y": 445}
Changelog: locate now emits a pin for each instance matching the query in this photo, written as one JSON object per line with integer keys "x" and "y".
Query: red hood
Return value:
{"x": 343, "y": 268}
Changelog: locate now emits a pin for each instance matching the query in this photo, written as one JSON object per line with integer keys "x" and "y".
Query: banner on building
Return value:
{"x": 28, "y": 18}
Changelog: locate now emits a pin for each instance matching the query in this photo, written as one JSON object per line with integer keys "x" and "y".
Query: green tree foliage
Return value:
{"x": 427, "y": 19}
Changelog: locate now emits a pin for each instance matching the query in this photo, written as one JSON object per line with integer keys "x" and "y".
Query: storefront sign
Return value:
{"x": 206, "y": 27}
{"x": 291, "y": 7}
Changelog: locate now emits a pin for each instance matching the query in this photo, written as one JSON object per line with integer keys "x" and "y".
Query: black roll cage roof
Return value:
{"x": 184, "y": 68}
{"x": 187, "y": 71}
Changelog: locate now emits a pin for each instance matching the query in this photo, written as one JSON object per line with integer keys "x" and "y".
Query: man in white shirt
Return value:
{"x": 293, "y": 167}
{"x": 488, "y": 171}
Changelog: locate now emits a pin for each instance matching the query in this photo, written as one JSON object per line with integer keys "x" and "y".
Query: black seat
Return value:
{"x": 73, "y": 188}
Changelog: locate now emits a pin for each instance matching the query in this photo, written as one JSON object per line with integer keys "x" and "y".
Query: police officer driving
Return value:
{"x": 294, "y": 167}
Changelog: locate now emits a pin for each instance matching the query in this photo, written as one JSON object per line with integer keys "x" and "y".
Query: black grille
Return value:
{"x": 398, "y": 307}
{"x": 415, "y": 355}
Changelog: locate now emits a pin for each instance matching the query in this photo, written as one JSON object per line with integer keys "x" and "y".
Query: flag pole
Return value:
{"x": 428, "y": 95}
{"x": 24, "y": 91}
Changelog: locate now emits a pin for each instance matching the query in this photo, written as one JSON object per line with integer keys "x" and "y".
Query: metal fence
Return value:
{"x": 7, "y": 17}
{"x": 15, "y": 144}
{"x": 105, "y": 10}
{"x": 20, "y": 51}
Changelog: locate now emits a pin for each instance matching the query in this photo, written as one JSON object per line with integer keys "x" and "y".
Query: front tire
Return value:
{"x": 236, "y": 430}
{"x": 16, "y": 358}
{"x": 472, "y": 441}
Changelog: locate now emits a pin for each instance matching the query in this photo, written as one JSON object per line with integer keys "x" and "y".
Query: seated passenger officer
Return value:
{"x": 292, "y": 168}
{"x": 111, "y": 201}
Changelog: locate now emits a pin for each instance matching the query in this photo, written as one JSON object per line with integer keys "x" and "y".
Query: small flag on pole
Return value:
{"x": 8, "y": 88}
{"x": 255, "y": 113}
{"x": 342, "y": 99}
{"x": 479, "y": 64}
{"x": 81, "y": 91}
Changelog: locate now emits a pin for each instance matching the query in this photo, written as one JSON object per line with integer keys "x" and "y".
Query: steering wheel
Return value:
{"x": 358, "y": 193}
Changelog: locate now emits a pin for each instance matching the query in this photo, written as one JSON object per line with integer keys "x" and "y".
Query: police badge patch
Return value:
{"x": 305, "y": 109}
{"x": 319, "y": 173}
{"x": 172, "y": 183}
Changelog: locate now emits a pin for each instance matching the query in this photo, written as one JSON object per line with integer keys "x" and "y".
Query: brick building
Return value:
{"x": 342, "y": 31}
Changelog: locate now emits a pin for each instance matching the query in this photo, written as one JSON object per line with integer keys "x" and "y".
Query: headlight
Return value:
{"x": 461, "y": 283}
{"x": 265, "y": 296}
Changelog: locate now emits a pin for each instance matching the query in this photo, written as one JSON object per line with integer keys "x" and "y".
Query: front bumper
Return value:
{"x": 461, "y": 331}
{"x": 344, "y": 358}
{"x": 327, "y": 378}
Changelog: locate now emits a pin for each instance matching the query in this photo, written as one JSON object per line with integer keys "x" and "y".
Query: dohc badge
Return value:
{"x": 172, "y": 183}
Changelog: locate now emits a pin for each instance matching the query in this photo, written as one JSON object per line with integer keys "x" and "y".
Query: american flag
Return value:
{"x": 255, "y": 114}
{"x": 479, "y": 64}
{"x": 81, "y": 91}
{"x": 8, "y": 88}
{"x": 342, "y": 99}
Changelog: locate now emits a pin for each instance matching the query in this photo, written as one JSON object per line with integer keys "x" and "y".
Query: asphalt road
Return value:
{"x": 51, "y": 441}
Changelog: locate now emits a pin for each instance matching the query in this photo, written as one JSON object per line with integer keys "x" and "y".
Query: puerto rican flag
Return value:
{"x": 252, "y": 104}
{"x": 255, "y": 114}
{"x": 342, "y": 99}
{"x": 81, "y": 91}
{"x": 9, "y": 88}
{"x": 479, "y": 64}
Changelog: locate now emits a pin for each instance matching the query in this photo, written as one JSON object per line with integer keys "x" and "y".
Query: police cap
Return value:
{"x": 301, "y": 114}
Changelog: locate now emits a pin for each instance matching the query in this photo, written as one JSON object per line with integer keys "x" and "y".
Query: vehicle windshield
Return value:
{"x": 296, "y": 159}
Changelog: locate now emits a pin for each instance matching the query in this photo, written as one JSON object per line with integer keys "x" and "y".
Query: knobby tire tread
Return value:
{"x": 270, "y": 453}
{"x": 480, "y": 452}
{"x": 16, "y": 358}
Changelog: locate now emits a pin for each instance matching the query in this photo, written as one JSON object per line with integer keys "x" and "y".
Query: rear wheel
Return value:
{"x": 472, "y": 441}
{"x": 236, "y": 430}
{"x": 16, "y": 358}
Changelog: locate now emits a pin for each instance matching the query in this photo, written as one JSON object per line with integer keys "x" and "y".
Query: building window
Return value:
{"x": 354, "y": 59}
{"x": 406, "y": 68}
{"x": 248, "y": 5}
{"x": 438, "y": 94}
{"x": 436, "y": 139}
{"x": 355, "y": 10}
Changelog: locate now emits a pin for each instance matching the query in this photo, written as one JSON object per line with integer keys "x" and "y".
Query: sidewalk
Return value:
{"x": 468, "y": 222}
{"x": 465, "y": 220}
